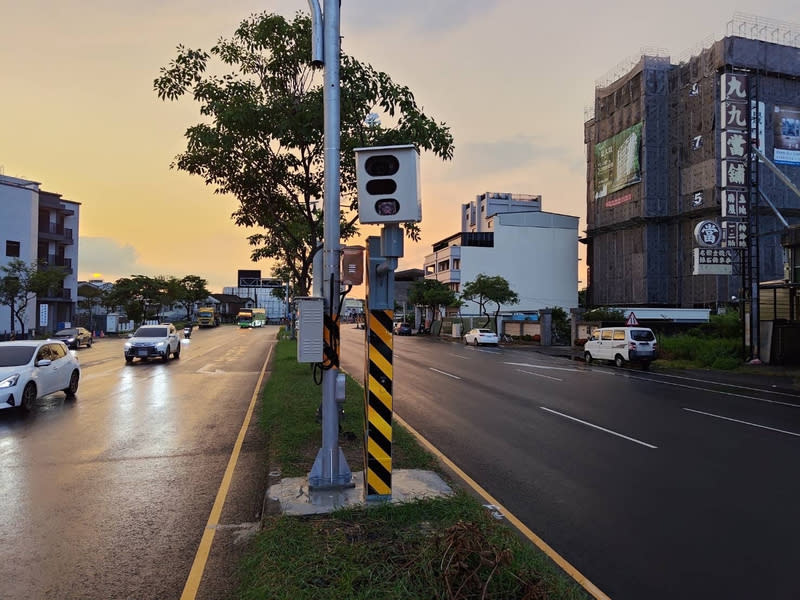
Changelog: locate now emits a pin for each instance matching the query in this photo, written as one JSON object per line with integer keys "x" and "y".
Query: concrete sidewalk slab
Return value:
{"x": 295, "y": 498}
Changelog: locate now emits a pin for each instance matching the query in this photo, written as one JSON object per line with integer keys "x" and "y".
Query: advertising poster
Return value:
{"x": 616, "y": 161}
{"x": 786, "y": 129}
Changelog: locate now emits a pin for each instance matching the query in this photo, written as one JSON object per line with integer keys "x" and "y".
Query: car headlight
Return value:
{"x": 10, "y": 381}
{"x": 71, "y": 339}
{"x": 127, "y": 346}
{"x": 161, "y": 344}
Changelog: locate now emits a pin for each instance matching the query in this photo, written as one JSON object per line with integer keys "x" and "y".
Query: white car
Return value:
{"x": 153, "y": 341}
{"x": 622, "y": 345}
{"x": 481, "y": 336}
{"x": 30, "y": 370}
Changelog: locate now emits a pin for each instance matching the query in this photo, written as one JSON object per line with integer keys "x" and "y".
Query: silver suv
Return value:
{"x": 153, "y": 341}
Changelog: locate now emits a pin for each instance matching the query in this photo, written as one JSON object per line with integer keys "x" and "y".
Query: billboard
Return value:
{"x": 616, "y": 161}
{"x": 786, "y": 129}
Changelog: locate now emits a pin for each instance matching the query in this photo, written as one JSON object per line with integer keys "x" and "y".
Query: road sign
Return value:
{"x": 632, "y": 321}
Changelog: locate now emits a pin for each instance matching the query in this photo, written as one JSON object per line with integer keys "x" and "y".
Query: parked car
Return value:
{"x": 74, "y": 337}
{"x": 479, "y": 336}
{"x": 622, "y": 345}
{"x": 153, "y": 341}
{"x": 402, "y": 329}
{"x": 30, "y": 370}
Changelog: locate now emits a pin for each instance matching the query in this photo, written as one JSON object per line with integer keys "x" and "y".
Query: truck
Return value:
{"x": 208, "y": 316}
{"x": 259, "y": 317}
{"x": 245, "y": 317}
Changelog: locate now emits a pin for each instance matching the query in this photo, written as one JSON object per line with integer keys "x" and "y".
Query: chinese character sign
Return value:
{"x": 734, "y": 204}
{"x": 708, "y": 233}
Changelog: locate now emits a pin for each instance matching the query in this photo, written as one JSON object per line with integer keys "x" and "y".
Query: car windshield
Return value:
{"x": 642, "y": 335}
{"x": 485, "y": 331}
{"x": 151, "y": 332}
{"x": 15, "y": 356}
{"x": 67, "y": 332}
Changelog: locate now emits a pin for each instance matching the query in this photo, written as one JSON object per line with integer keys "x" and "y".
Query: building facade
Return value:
{"x": 40, "y": 227}
{"x": 535, "y": 251}
{"x": 476, "y": 216}
{"x": 670, "y": 148}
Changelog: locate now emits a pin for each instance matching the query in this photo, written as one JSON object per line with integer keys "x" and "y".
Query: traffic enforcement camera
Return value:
{"x": 388, "y": 184}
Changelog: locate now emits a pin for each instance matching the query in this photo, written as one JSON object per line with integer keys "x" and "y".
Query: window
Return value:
{"x": 12, "y": 248}
{"x": 619, "y": 334}
{"x": 606, "y": 334}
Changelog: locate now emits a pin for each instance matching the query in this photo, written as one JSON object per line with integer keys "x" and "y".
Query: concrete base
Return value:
{"x": 295, "y": 498}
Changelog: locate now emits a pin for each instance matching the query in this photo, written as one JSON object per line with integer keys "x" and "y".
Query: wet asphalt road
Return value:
{"x": 107, "y": 496}
{"x": 654, "y": 485}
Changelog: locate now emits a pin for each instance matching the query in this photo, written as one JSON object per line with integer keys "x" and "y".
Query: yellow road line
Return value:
{"x": 539, "y": 542}
{"x": 203, "y": 550}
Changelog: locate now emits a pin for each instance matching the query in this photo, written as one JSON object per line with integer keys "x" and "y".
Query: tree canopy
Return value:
{"x": 20, "y": 283}
{"x": 262, "y": 140}
{"x": 431, "y": 293}
{"x": 143, "y": 297}
{"x": 486, "y": 289}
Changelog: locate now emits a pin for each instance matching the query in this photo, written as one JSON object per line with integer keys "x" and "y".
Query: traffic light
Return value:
{"x": 388, "y": 184}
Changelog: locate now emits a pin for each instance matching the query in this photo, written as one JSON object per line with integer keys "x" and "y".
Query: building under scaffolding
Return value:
{"x": 659, "y": 165}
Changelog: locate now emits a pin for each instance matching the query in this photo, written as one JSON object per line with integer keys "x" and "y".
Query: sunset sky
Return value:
{"x": 512, "y": 78}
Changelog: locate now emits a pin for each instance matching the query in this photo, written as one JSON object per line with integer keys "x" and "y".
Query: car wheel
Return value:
{"x": 129, "y": 359}
{"x": 177, "y": 353}
{"x": 90, "y": 343}
{"x": 72, "y": 388}
{"x": 466, "y": 342}
{"x": 619, "y": 361}
{"x": 28, "y": 396}
{"x": 475, "y": 342}
{"x": 165, "y": 356}
{"x": 587, "y": 356}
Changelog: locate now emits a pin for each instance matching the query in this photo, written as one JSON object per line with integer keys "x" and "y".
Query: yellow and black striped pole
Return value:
{"x": 378, "y": 403}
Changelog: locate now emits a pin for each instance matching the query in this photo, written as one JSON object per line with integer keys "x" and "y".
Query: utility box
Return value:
{"x": 310, "y": 325}
{"x": 353, "y": 265}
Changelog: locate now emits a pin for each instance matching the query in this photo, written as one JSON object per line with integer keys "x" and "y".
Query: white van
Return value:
{"x": 622, "y": 345}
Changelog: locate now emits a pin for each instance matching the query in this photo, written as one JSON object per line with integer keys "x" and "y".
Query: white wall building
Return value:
{"x": 477, "y": 215}
{"x": 535, "y": 251}
{"x": 39, "y": 226}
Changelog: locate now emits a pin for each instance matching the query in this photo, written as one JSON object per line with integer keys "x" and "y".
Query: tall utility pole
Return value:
{"x": 330, "y": 467}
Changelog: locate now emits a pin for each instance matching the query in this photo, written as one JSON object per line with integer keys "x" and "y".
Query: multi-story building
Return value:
{"x": 476, "y": 216}
{"x": 40, "y": 227}
{"x": 535, "y": 251}
{"x": 670, "y": 149}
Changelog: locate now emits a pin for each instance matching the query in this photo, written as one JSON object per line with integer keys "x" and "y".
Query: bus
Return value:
{"x": 245, "y": 317}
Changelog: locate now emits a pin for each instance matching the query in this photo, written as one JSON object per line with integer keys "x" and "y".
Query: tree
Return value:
{"x": 487, "y": 289}
{"x": 192, "y": 289}
{"x": 431, "y": 293}
{"x": 20, "y": 283}
{"x": 263, "y": 139}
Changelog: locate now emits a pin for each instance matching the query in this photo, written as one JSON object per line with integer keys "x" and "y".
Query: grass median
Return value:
{"x": 449, "y": 548}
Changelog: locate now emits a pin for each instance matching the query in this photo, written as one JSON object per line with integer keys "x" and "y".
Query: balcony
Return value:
{"x": 56, "y": 232}
{"x": 56, "y": 261}
{"x": 59, "y": 295}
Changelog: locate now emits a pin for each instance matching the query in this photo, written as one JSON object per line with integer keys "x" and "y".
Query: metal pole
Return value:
{"x": 330, "y": 468}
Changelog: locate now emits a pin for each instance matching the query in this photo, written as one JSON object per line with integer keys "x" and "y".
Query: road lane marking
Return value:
{"x": 579, "y": 577}
{"x": 443, "y": 373}
{"x": 204, "y": 549}
{"x": 700, "y": 412}
{"x": 733, "y": 385}
{"x": 458, "y": 356}
{"x": 705, "y": 389}
{"x": 539, "y": 375}
{"x": 630, "y": 439}
{"x": 530, "y": 366}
